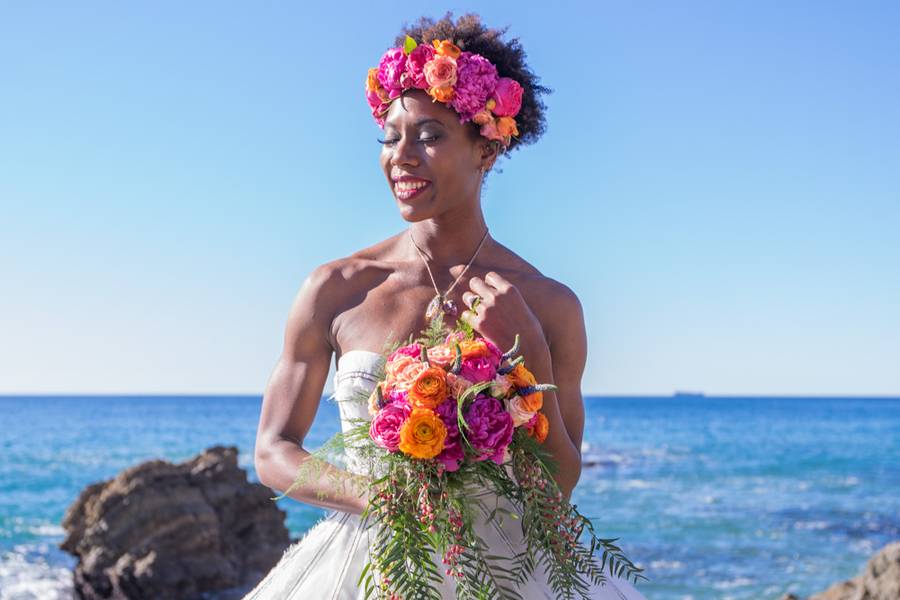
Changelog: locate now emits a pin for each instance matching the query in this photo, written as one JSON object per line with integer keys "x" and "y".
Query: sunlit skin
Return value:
{"x": 380, "y": 292}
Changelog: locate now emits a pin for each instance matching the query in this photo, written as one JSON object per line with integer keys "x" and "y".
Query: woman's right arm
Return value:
{"x": 292, "y": 397}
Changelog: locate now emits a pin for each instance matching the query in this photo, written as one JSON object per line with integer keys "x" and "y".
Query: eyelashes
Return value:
{"x": 427, "y": 140}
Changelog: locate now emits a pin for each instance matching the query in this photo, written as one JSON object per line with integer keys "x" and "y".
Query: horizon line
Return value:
{"x": 691, "y": 395}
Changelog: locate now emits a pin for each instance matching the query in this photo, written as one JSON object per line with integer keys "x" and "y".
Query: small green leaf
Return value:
{"x": 409, "y": 45}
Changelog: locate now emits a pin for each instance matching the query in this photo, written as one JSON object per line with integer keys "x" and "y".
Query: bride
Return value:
{"x": 435, "y": 157}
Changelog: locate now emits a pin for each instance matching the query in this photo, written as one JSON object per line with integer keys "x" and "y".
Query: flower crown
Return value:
{"x": 465, "y": 81}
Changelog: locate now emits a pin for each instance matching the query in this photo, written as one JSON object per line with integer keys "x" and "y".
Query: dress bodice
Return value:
{"x": 354, "y": 381}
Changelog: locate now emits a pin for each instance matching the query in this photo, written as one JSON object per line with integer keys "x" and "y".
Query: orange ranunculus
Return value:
{"x": 429, "y": 389}
{"x": 446, "y": 48}
{"x": 441, "y": 355}
{"x": 423, "y": 434}
{"x": 533, "y": 401}
{"x": 507, "y": 126}
{"x": 521, "y": 377}
{"x": 372, "y": 82}
{"x": 442, "y": 94}
{"x": 541, "y": 428}
{"x": 474, "y": 348}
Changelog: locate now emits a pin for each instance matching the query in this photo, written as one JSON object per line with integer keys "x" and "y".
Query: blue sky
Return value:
{"x": 719, "y": 183}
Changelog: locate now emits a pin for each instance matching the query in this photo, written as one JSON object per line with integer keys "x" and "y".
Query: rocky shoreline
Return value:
{"x": 880, "y": 580}
{"x": 196, "y": 529}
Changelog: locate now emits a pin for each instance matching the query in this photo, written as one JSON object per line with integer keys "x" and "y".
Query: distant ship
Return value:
{"x": 688, "y": 394}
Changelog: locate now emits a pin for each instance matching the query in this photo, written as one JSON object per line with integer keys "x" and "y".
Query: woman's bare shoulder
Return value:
{"x": 529, "y": 279}
{"x": 346, "y": 275}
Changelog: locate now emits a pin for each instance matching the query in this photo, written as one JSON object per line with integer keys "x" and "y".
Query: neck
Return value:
{"x": 448, "y": 243}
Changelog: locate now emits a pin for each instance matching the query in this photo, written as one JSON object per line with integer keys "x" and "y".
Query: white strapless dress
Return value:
{"x": 326, "y": 563}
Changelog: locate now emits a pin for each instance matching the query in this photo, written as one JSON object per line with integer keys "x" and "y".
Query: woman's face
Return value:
{"x": 425, "y": 143}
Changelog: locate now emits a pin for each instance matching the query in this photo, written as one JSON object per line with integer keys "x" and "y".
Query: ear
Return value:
{"x": 490, "y": 150}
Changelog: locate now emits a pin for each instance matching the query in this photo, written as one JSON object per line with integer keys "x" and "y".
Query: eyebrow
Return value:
{"x": 418, "y": 123}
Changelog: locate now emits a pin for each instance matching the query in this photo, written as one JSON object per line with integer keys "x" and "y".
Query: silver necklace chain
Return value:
{"x": 441, "y": 300}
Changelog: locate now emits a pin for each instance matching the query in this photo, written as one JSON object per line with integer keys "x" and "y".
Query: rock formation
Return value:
{"x": 879, "y": 581}
{"x": 180, "y": 531}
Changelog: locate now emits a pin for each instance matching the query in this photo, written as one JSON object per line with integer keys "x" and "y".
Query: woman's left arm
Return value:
{"x": 555, "y": 351}
{"x": 568, "y": 352}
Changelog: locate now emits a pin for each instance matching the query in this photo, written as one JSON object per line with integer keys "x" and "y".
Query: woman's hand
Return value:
{"x": 501, "y": 312}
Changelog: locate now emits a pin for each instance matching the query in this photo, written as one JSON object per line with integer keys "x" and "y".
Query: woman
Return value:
{"x": 435, "y": 154}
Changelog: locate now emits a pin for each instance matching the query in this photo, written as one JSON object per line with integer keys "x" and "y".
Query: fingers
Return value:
{"x": 497, "y": 281}
{"x": 478, "y": 285}
{"x": 469, "y": 298}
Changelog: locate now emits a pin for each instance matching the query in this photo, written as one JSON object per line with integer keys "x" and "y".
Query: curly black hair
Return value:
{"x": 469, "y": 34}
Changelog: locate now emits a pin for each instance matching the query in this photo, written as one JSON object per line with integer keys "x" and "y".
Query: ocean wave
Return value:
{"x": 26, "y": 575}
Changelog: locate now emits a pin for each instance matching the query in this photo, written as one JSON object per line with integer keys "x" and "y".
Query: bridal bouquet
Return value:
{"x": 453, "y": 415}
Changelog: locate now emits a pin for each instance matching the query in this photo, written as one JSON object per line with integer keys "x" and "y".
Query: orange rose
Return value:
{"x": 475, "y": 348}
{"x": 401, "y": 372}
{"x": 533, "y": 401}
{"x": 441, "y": 94}
{"x": 446, "y": 48}
{"x": 429, "y": 389}
{"x": 521, "y": 377}
{"x": 482, "y": 117}
{"x": 423, "y": 434}
{"x": 372, "y": 82}
{"x": 507, "y": 126}
{"x": 541, "y": 428}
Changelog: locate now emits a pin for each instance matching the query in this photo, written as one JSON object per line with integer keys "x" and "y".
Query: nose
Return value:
{"x": 405, "y": 152}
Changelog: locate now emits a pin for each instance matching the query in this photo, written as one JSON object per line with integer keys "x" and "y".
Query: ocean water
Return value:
{"x": 744, "y": 498}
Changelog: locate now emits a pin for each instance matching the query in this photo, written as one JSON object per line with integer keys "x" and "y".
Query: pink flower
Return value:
{"x": 452, "y": 453}
{"x": 508, "y": 95}
{"x": 478, "y": 369}
{"x": 413, "y": 350}
{"x": 490, "y": 428}
{"x": 440, "y": 72}
{"x": 457, "y": 384}
{"x": 476, "y": 80}
{"x": 520, "y": 415}
{"x": 456, "y": 336}
{"x": 441, "y": 355}
{"x": 415, "y": 65}
{"x": 500, "y": 386}
{"x": 385, "y": 427}
{"x": 390, "y": 67}
{"x": 496, "y": 353}
{"x": 378, "y": 107}
{"x": 490, "y": 131}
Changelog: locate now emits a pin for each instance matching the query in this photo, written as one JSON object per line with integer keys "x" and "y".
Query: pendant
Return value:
{"x": 449, "y": 307}
{"x": 433, "y": 306}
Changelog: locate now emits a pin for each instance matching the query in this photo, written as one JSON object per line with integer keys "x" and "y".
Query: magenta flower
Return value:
{"x": 478, "y": 369}
{"x": 452, "y": 453}
{"x": 476, "y": 80}
{"x": 490, "y": 428}
{"x": 415, "y": 65}
{"x": 385, "y": 427}
{"x": 496, "y": 353}
{"x": 413, "y": 350}
{"x": 390, "y": 68}
{"x": 508, "y": 96}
